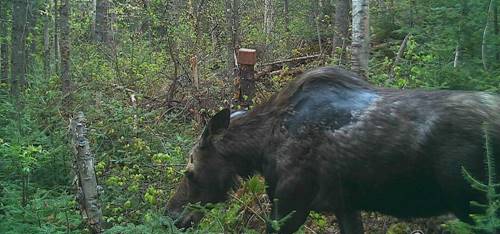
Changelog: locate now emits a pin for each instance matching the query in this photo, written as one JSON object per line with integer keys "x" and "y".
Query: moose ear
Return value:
{"x": 217, "y": 124}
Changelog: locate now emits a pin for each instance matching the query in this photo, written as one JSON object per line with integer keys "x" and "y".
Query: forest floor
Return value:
{"x": 377, "y": 224}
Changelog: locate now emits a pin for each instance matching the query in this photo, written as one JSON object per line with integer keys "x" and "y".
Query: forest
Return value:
{"x": 126, "y": 86}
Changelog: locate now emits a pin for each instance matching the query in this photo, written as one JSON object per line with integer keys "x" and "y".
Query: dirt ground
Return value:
{"x": 381, "y": 224}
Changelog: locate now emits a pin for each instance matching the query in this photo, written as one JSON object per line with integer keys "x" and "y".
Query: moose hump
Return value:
{"x": 328, "y": 98}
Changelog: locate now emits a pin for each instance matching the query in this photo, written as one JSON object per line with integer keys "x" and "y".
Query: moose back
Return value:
{"x": 330, "y": 142}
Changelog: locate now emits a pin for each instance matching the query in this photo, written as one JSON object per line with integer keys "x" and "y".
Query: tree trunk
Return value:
{"x": 32, "y": 20}
{"x": 146, "y": 23}
{"x": 103, "y": 22}
{"x": 93, "y": 13}
{"x": 195, "y": 15}
{"x": 214, "y": 34}
{"x": 233, "y": 25}
{"x": 341, "y": 27}
{"x": 4, "y": 47}
{"x": 286, "y": 16}
{"x": 173, "y": 51}
{"x": 57, "y": 53}
{"x": 19, "y": 31}
{"x": 497, "y": 31}
{"x": 46, "y": 42}
{"x": 236, "y": 25}
{"x": 174, "y": 56}
{"x": 486, "y": 26}
{"x": 461, "y": 38}
{"x": 268, "y": 19}
{"x": 317, "y": 15}
{"x": 360, "y": 36}
{"x": 64, "y": 11}
{"x": 401, "y": 51}
{"x": 229, "y": 47}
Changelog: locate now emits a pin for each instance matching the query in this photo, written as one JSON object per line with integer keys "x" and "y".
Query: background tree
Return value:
{"x": 19, "y": 32}
{"x": 56, "y": 45}
{"x": 233, "y": 28}
{"x": 360, "y": 36}
{"x": 496, "y": 30}
{"x": 64, "y": 25}
{"x": 286, "y": 17}
{"x": 47, "y": 19}
{"x": 485, "y": 33}
{"x": 341, "y": 30}
{"x": 33, "y": 13}
{"x": 268, "y": 19}
{"x": 103, "y": 22}
{"x": 317, "y": 14}
{"x": 4, "y": 47}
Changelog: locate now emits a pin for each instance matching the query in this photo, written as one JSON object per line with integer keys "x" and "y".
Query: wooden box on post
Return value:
{"x": 245, "y": 83}
{"x": 247, "y": 57}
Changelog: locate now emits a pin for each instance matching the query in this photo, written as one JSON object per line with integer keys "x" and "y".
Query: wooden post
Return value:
{"x": 245, "y": 82}
{"x": 87, "y": 194}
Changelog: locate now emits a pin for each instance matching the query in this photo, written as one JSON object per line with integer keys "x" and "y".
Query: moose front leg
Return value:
{"x": 349, "y": 222}
{"x": 290, "y": 204}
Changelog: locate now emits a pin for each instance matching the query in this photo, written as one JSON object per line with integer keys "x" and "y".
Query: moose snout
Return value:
{"x": 174, "y": 215}
{"x": 182, "y": 219}
{"x": 184, "y": 222}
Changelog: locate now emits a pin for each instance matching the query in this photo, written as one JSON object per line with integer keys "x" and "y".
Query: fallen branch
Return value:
{"x": 293, "y": 72}
{"x": 248, "y": 208}
{"x": 299, "y": 59}
{"x": 132, "y": 93}
{"x": 398, "y": 58}
{"x": 123, "y": 88}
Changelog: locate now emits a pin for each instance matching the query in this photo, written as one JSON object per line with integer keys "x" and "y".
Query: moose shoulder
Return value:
{"x": 331, "y": 142}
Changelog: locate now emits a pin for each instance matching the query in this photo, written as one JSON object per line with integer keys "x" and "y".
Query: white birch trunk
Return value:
{"x": 268, "y": 19}
{"x": 483, "y": 44}
{"x": 457, "y": 54}
{"x": 360, "y": 36}
{"x": 87, "y": 182}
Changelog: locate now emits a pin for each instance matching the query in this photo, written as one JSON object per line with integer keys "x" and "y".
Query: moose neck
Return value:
{"x": 245, "y": 144}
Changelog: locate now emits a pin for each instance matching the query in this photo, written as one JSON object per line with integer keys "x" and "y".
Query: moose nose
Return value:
{"x": 184, "y": 222}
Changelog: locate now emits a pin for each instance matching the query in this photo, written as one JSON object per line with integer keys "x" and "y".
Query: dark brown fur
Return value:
{"x": 331, "y": 142}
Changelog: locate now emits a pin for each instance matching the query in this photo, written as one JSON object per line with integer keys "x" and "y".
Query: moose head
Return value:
{"x": 208, "y": 175}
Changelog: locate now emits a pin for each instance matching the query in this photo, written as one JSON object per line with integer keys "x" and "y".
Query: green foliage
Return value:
{"x": 320, "y": 221}
{"x": 152, "y": 223}
{"x": 246, "y": 211}
{"x": 21, "y": 159}
{"x": 49, "y": 211}
{"x": 489, "y": 221}
{"x": 458, "y": 227}
{"x": 399, "y": 228}
{"x": 436, "y": 29}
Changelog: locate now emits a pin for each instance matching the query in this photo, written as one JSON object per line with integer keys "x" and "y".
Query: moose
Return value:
{"x": 331, "y": 142}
